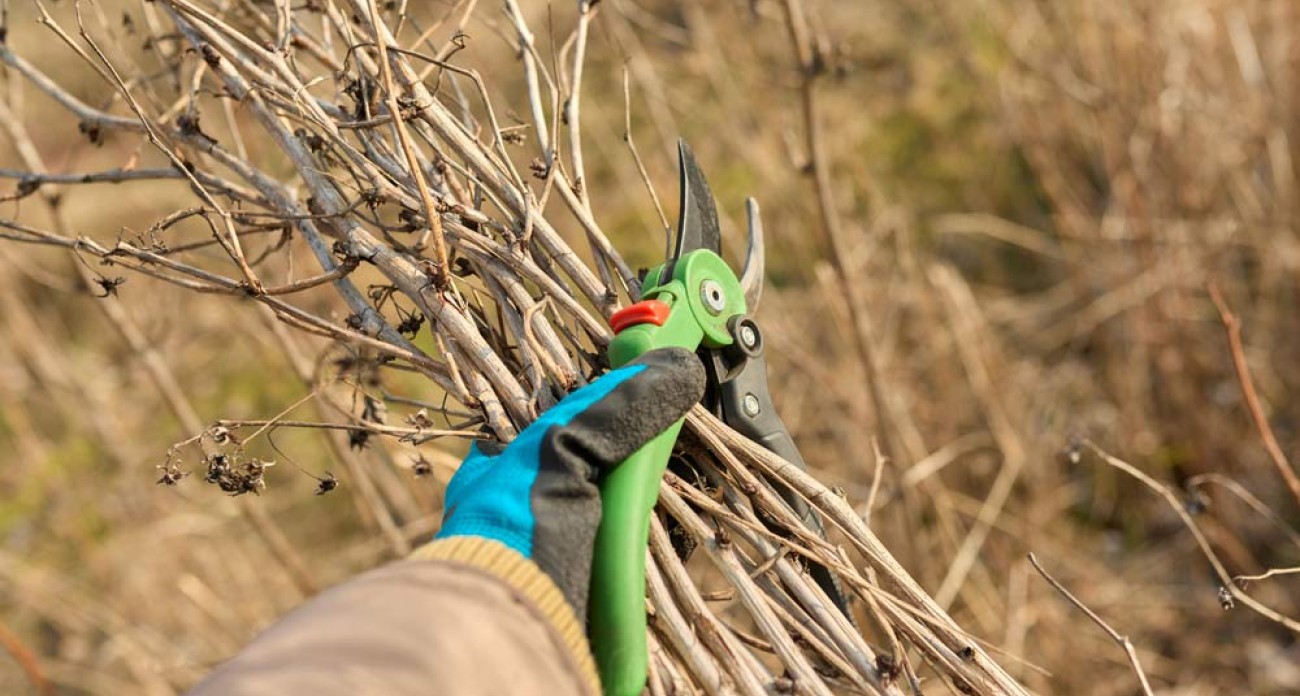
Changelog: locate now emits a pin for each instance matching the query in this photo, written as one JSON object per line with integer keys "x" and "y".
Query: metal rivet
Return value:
{"x": 711, "y": 294}
{"x": 750, "y": 405}
{"x": 748, "y": 336}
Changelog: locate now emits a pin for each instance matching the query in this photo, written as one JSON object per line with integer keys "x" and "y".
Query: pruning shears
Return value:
{"x": 693, "y": 300}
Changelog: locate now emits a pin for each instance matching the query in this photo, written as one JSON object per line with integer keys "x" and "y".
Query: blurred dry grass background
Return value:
{"x": 1035, "y": 195}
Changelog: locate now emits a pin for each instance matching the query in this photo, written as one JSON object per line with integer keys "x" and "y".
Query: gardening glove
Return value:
{"x": 496, "y": 603}
{"x": 538, "y": 495}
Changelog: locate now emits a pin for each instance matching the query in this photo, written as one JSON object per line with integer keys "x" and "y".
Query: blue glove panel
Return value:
{"x": 491, "y": 496}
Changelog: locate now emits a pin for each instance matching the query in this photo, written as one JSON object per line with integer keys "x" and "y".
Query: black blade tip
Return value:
{"x": 697, "y": 222}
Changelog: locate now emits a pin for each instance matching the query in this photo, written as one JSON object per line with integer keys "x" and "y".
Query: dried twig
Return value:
{"x": 1120, "y": 640}
{"x": 1239, "y": 579}
{"x": 1232, "y": 325}
{"x": 26, "y": 660}
{"x": 812, "y": 67}
{"x": 1227, "y": 586}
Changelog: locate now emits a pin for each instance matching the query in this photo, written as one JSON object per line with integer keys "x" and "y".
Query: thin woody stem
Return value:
{"x": 1119, "y": 639}
{"x": 432, "y": 217}
{"x": 1232, "y": 326}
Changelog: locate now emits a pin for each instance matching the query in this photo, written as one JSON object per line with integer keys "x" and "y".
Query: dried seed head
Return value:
{"x": 210, "y": 55}
{"x": 220, "y": 434}
{"x": 420, "y": 419}
{"x": 1196, "y": 502}
{"x": 358, "y": 439}
{"x": 171, "y": 474}
{"x": 327, "y": 484}
{"x": 188, "y": 124}
{"x": 411, "y": 324}
{"x": 92, "y": 131}
{"x": 26, "y": 187}
{"x": 374, "y": 410}
{"x": 109, "y": 285}
{"x": 234, "y": 477}
{"x": 888, "y": 667}
{"x": 218, "y": 466}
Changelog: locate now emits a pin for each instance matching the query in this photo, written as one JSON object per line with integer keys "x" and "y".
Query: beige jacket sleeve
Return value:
{"x": 463, "y": 616}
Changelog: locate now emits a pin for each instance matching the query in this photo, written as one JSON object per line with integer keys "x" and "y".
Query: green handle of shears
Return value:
{"x": 617, "y": 604}
{"x": 616, "y": 607}
{"x": 628, "y": 495}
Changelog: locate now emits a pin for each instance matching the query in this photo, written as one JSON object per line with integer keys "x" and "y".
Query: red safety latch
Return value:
{"x": 644, "y": 312}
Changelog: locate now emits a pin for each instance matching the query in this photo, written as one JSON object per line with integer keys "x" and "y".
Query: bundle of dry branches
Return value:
{"x": 402, "y": 175}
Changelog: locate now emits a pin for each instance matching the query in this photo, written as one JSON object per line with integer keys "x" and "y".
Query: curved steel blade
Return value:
{"x": 697, "y": 221}
{"x": 751, "y": 279}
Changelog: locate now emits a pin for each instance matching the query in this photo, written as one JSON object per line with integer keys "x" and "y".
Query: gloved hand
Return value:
{"x": 538, "y": 495}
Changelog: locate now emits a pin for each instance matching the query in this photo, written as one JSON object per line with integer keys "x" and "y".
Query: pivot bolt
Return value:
{"x": 711, "y": 294}
{"x": 748, "y": 336}
{"x": 750, "y": 405}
